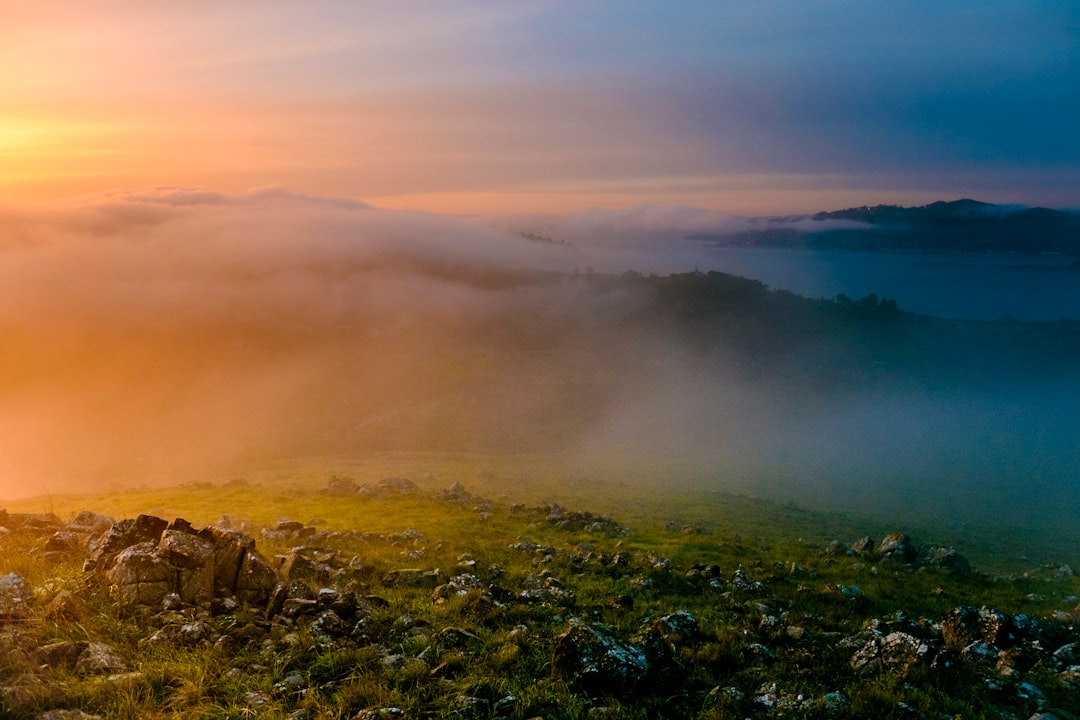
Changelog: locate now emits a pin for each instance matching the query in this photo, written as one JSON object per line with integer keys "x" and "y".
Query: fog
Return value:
{"x": 174, "y": 334}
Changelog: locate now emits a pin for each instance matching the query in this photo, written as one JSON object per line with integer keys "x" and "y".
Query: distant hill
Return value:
{"x": 966, "y": 226}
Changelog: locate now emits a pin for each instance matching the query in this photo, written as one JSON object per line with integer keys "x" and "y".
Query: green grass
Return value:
{"x": 292, "y": 672}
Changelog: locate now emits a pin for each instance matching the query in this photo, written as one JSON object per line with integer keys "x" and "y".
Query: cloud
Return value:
{"x": 172, "y": 334}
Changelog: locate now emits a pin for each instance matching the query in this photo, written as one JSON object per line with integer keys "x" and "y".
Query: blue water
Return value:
{"x": 1036, "y": 287}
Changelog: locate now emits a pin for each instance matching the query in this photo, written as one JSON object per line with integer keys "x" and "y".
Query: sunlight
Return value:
{"x": 18, "y": 136}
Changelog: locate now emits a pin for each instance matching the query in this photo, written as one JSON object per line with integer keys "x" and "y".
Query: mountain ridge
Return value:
{"x": 966, "y": 225}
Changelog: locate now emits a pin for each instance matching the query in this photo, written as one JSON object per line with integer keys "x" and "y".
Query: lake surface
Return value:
{"x": 1037, "y": 287}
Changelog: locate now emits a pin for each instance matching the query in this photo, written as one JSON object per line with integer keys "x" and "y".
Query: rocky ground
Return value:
{"x": 574, "y": 616}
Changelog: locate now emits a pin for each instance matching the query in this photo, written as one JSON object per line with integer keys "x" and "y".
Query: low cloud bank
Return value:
{"x": 179, "y": 334}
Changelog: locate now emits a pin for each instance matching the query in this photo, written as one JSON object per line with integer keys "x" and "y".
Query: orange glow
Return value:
{"x": 740, "y": 201}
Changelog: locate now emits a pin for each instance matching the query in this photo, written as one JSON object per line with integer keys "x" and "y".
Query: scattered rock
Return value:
{"x": 99, "y": 659}
{"x": 397, "y": 485}
{"x": 16, "y": 598}
{"x": 591, "y": 658}
{"x": 897, "y": 652}
{"x": 61, "y": 654}
{"x": 67, "y": 715}
{"x": 89, "y": 523}
{"x": 963, "y": 626}
{"x": 66, "y": 605}
{"x": 340, "y": 486}
{"x": 945, "y": 560}
{"x": 386, "y": 713}
{"x": 897, "y": 547}
{"x": 862, "y": 546}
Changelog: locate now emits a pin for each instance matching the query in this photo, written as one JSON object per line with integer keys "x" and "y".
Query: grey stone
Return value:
{"x": 16, "y": 597}
{"x": 898, "y": 547}
{"x": 67, "y": 715}
{"x": 99, "y": 659}
{"x": 122, "y": 535}
{"x": 256, "y": 579}
{"x": 193, "y": 557}
{"x": 896, "y": 652}
{"x": 140, "y": 575}
{"x": 590, "y": 657}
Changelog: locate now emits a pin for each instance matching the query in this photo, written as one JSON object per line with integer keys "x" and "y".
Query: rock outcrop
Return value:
{"x": 147, "y": 559}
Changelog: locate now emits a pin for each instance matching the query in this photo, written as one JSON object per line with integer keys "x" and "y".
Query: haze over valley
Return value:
{"x": 162, "y": 337}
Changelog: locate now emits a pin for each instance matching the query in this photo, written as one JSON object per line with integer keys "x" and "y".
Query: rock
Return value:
{"x": 67, "y": 715}
{"x": 230, "y": 549}
{"x": 945, "y": 560}
{"x": 980, "y": 654}
{"x": 1020, "y": 658}
{"x": 741, "y": 581}
{"x": 122, "y": 535}
{"x": 998, "y": 629}
{"x": 960, "y": 628}
{"x": 140, "y": 575}
{"x": 330, "y": 623}
{"x": 398, "y": 485}
{"x": 340, "y": 486}
{"x": 298, "y": 567}
{"x": 850, "y": 591}
{"x": 541, "y": 589}
{"x": 99, "y": 659}
{"x": 862, "y": 546}
{"x": 89, "y": 523}
{"x": 61, "y": 654}
{"x": 64, "y": 542}
{"x": 662, "y": 639}
{"x": 835, "y": 548}
{"x": 472, "y": 707}
{"x": 835, "y": 701}
{"x": 37, "y": 524}
{"x": 963, "y": 626}
{"x": 897, "y": 652}
{"x": 66, "y": 605}
{"x": 591, "y": 658}
{"x": 16, "y": 598}
{"x": 386, "y": 713}
{"x": 1067, "y": 655}
{"x": 454, "y": 638}
{"x": 199, "y": 566}
{"x": 1028, "y": 693}
{"x": 411, "y": 577}
{"x": 256, "y": 579}
{"x": 193, "y": 557}
{"x": 897, "y": 547}
{"x": 456, "y": 493}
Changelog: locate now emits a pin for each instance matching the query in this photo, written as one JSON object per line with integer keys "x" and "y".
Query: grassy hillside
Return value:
{"x": 510, "y": 576}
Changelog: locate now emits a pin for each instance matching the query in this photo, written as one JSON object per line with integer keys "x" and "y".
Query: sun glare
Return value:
{"x": 17, "y": 136}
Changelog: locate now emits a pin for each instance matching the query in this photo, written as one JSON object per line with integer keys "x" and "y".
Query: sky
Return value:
{"x": 491, "y": 107}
